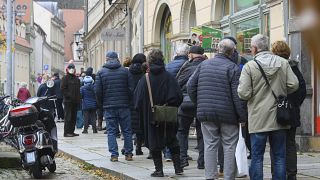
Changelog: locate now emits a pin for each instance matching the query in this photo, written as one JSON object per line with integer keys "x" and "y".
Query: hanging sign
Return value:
{"x": 113, "y": 34}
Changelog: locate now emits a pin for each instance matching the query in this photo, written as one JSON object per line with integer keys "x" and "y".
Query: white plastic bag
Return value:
{"x": 241, "y": 156}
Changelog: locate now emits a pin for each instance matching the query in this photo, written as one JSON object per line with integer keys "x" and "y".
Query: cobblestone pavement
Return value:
{"x": 66, "y": 169}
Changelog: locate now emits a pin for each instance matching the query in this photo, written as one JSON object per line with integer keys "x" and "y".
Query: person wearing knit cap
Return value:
{"x": 70, "y": 88}
{"x": 89, "y": 104}
{"x": 113, "y": 91}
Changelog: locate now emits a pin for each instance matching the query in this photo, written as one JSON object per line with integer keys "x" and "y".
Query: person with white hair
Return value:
{"x": 181, "y": 57}
{"x": 262, "y": 79}
{"x": 213, "y": 88}
{"x": 23, "y": 93}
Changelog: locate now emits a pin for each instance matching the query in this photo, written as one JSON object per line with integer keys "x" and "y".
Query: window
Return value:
{"x": 226, "y": 7}
{"x": 244, "y": 4}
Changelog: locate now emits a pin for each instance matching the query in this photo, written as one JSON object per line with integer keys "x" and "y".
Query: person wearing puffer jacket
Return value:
{"x": 89, "y": 104}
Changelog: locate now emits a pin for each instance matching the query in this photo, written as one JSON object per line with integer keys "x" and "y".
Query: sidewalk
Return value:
{"x": 92, "y": 148}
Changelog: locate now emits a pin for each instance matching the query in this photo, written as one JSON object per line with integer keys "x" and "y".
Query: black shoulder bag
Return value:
{"x": 283, "y": 105}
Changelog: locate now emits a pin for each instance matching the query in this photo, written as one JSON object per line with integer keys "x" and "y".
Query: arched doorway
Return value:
{"x": 166, "y": 34}
{"x": 188, "y": 18}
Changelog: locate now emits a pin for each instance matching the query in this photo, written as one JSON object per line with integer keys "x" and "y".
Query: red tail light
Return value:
{"x": 28, "y": 140}
{"x": 20, "y": 111}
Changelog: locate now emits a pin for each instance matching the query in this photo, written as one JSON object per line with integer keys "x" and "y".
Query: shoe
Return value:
{"x": 84, "y": 132}
{"x": 189, "y": 158}
{"x": 75, "y": 134}
{"x": 149, "y": 156}
{"x": 105, "y": 128}
{"x": 200, "y": 166}
{"x": 114, "y": 159}
{"x": 123, "y": 151}
{"x": 139, "y": 152}
{"x": 95, "y": 131}
{"x": 159, "y": 168}
{"x": 168, "y": 159}
{"x": 177, "y": 165}
{"x": 68, "y": 135}
{"x": 184, "y": 163}
{"x": 105, "y": 132}
{"x": 129, "y": 157}
{"x": 291, "y": 177}
{"x": 221, "y": 172}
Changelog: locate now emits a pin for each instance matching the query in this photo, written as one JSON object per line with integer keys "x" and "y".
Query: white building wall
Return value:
{"x": 42, "y": 17}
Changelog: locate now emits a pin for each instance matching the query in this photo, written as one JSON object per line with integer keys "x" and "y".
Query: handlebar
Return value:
{"x": 4, "y": 97}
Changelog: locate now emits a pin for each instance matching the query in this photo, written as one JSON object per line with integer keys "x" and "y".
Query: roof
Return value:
{"x": 72, "y": 25}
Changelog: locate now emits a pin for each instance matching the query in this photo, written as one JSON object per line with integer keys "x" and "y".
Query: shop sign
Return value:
{"x": 206, "y": 37}
{"x": 113, "y": 34}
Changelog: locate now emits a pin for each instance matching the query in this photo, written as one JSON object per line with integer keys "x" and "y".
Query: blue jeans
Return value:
{"x": 167, "y": 153}
{"x": 79, "y": 122}
{"x": 277, "y": 140}
{"x": 114, "y": 117}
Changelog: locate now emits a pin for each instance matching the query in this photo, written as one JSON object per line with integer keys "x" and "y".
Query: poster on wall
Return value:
{"x": 206, "y": 37}
{"x": 244, "y": 41}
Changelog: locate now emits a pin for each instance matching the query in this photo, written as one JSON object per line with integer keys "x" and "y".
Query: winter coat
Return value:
{"x": 213, "y": 88}
{"x": 23, "y": 94}
{"x": 174, "y": 66}
{"x": 297, "y": 97}
{"x": 57, "y": 84}
{"x": 253, "y": 88}
{"x": 112, "y": 85}
{"x": 70, "y": 88}
{"x": 88, "y": 97}
{"x": 135, "y": 74}
{"x": 43, "y": 90}
{"x": 188, "y": 108}
{"x": 165, "y": 90}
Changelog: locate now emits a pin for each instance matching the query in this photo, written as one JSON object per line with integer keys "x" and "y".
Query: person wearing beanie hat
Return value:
{"x": 70, "y": 88}
{"x": 187, "y": 110}
{"x": 135, "y": 74}
{"x": 89, "y": 104}
{"x": 113, "y": 90}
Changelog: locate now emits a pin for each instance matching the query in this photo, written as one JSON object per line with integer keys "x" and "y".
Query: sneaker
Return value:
{"x": 75, "y": 134}
{"x": 84, "y": 132}
{"x": 129, "y": 157}
{"x": 114, "y": 159}
{"x": 168, "y": 159}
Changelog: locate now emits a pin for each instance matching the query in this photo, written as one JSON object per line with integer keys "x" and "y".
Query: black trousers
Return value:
{"x": 291, "y": 153}
{"x": 90, "y": 117}
{"x": 70, "y": 114}
{"x": 200, "y": 143}
{"x": 60, "y": 108}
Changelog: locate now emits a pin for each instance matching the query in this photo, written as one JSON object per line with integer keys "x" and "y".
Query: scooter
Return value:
{"x": 36, "y": 135}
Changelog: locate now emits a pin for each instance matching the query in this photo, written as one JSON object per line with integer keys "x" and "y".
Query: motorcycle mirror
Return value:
{"x": 50, "y": 83}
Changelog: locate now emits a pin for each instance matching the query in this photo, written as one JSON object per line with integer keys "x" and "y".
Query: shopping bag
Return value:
{"x": 241, "y": 156}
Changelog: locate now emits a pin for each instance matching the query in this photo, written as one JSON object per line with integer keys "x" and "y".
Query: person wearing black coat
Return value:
{"x": 282, "y": 49}
{"x": 213, "y": 88}
{"x": 135, "y": 74}
{"x": 57, "y": 84}
{"x": 70, "y": 88}
{"x": 187, "y": 110}
{"x": 165, "y": 90}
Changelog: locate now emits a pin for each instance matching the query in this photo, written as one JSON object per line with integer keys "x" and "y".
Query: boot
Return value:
{"x": 159, "y": 168}
{"x": 138, "y": 148}
{"x": 177, "y": 165}
{"x": 184, "y": 163}
{"x": 99, "y": 125}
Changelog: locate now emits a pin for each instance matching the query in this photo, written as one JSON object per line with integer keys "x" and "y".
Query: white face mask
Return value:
{"x": 71, "y": 71}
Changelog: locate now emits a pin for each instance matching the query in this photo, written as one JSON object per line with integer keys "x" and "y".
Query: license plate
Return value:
{"x": 31, "y": 157}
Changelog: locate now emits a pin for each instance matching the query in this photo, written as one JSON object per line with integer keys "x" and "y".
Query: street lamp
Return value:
{"x": 77, "y": 37}
{"x": 79, "y": 52}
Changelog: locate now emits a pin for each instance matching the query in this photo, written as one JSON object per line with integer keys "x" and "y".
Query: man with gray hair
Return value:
{"x": 262, "y": 105}
{"x": 181, "y": 57}
{"x": 213, "y": 88}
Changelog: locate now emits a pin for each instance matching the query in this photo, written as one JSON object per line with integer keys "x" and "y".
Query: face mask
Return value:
{"x": 71, "y": 71}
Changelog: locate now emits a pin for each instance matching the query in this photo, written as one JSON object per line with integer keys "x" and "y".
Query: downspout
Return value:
{"x": 128, "y": 32}
{"x": 141, "y": 44}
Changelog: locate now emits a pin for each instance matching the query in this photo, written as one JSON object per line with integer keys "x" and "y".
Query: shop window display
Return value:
{"x": 244, "y": 4}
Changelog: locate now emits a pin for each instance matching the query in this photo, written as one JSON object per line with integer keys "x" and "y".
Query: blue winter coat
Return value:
{"x": 174, "y": 66}
{"x": 213, "y": 88}
{"x": 112, "y": 85}
{"x": 88, "y": 97}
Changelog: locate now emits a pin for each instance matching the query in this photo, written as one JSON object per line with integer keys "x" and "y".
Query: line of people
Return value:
{"x": 218, "y": 94}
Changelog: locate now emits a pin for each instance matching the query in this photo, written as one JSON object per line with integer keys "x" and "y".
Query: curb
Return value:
{"x": 106, "y": 170}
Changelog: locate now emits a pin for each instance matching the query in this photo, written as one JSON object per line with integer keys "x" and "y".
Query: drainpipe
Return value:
{"x": 141, "y": 43}
{"x": 128, "y": 32}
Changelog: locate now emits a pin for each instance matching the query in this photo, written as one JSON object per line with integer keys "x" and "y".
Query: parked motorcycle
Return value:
{"x": 36, "y": 134}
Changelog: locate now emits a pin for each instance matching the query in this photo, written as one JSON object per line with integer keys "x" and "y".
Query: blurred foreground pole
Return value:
{"x": 9, "y": 48}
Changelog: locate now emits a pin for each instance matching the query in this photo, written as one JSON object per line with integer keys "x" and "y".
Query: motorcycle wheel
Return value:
{"x": 52, "y": 167}
{"x": 36, "y": 171}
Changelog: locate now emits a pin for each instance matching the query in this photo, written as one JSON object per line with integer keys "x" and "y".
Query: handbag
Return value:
{"x": 241, "y": 156}
{"x": 283, "y": 105}
{"x": 161, "y": 113}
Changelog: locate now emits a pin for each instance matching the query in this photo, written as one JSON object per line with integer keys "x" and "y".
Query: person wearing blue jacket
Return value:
{"x": 89, "y": 104}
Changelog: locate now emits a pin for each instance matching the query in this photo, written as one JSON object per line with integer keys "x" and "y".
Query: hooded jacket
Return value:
{"x": 262, "y": 106}
{"x": 112, "y": 85}
{"x": 88, "y": 97}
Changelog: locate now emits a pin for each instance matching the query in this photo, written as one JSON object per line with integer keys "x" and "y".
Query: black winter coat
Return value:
{"x": 297, "y": 98}
{"x": 57, "y": 84}
{"x": 112, "y": 85}
{"x": 165, "y": 90}
{"x": 135, "y": 74}
{"x": 174, "y": 66}
{"x": 213, "y": 87}
{"x": 70, "y": 88}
